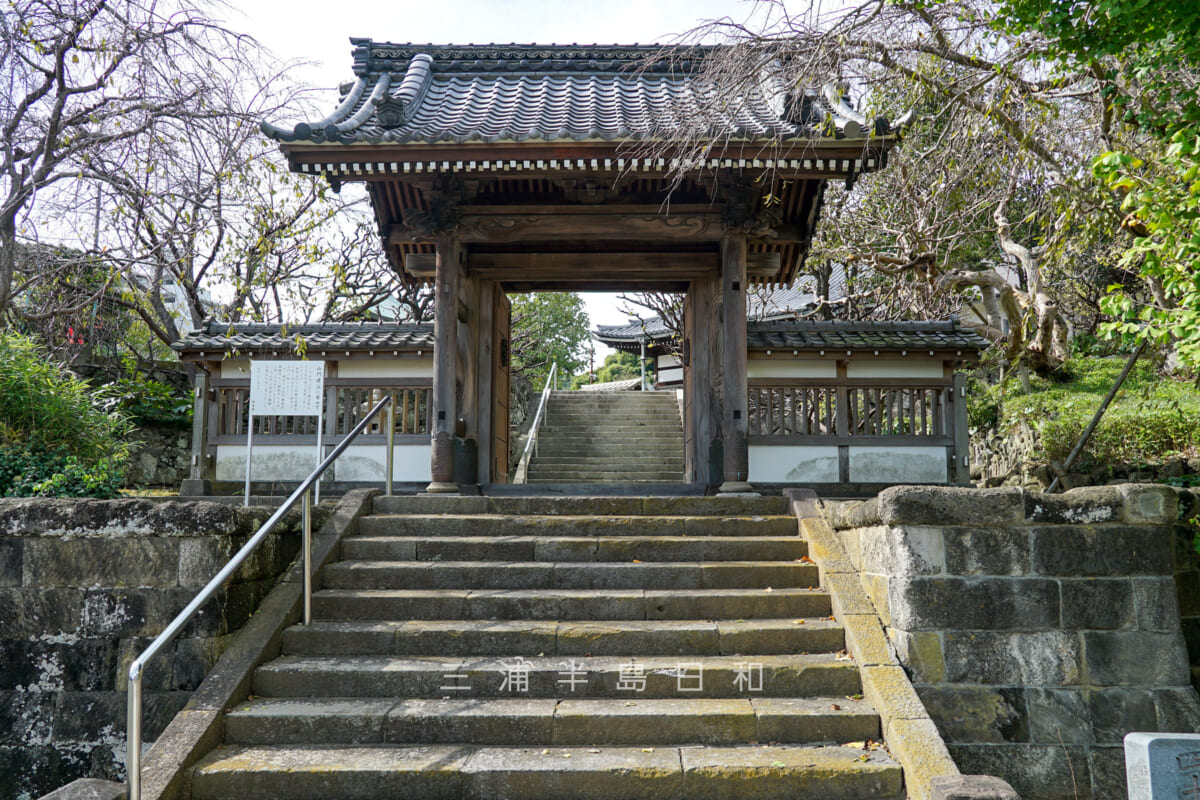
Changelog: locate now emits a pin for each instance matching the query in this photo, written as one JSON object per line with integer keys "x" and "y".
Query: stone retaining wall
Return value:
{"x": 1037, "y": 629}
{"x": 84, "y": 587}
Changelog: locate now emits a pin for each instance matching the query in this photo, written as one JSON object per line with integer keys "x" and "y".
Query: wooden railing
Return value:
{"x": 346, "y": 402}
{"x": 813, "y": 411}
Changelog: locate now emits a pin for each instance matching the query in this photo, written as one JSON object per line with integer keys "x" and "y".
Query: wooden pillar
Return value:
{"x": 200, "y": 471}
{"x": 467, "y": 368}
{"x": 445, "y": 360}
{"x": 700, "y": 336}
{"x": 483, "y": 380}
{"x": 733, "y": 360}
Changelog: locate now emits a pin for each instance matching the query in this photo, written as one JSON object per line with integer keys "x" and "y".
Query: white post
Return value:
{"x": 320, "y": 431}
{"x": 642, "y": 360}
{"x": 249, "y": 450}
{"x": 391, "y": 445}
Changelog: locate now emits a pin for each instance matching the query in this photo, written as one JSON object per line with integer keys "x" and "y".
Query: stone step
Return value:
{"x": 583, "y": 475}
{"x": 518, "y": 721}
{"x": 565, "y": 637}
{"x": 634, "y": 506}
{"x": 598, "y": 457}
{"x": 807, "y": 675}
{"x": 567, "y": 575}
{"x": 595, "y": 604}
{"x": 575, "y": 548}
{"x": 573, "y": 526}
{"x": 466, "y": 772}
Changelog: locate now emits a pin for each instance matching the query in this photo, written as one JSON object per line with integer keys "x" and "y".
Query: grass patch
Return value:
{"x": 1152, "y": 418}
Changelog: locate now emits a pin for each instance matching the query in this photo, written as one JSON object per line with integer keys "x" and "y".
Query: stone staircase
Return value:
{"x": 521, "y": 648}
{"x": 601, "y": 437}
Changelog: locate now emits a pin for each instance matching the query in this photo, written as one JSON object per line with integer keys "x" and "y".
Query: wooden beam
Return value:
{"x": 762, "y": 265}
{"x": 421, "y": 265}
{"x": 591, "y": 266}
{"x": 524, "y": 225}
{"x": 520, "y": 226}
{"x": 626, "y": 285}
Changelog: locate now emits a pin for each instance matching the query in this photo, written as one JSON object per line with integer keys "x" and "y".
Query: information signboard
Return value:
{"x": 286, "y": 388}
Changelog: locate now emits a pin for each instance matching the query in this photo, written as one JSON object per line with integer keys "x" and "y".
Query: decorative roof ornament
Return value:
{"x": 391, "y": 112}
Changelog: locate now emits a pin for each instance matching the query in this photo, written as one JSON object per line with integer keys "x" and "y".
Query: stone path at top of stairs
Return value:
{"x": 596, "y": 437}
{"x": 555, "y": 648}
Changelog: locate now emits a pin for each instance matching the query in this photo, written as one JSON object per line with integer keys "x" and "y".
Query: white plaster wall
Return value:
{"x": 669, "y": 360}
{"x": 789, "y": 367}
{"x": 235, "y": 368}
{"x": 895, "y": 368}
{"x": 295, "y": 463}
{"x": 411, "y": 462}
{"x": 871, "y": 464}
{"x": 793, "y": 464}
{"x": 278, "y": 462}
{"x": 670, "y": 375}
{"x": 386, "y": 367}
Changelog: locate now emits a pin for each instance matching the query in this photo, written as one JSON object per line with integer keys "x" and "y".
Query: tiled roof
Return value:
{"x": 221, "y": 337}
{"x": 847, "y": 335}
{"x": 407, "y": 93}
{"x": 825, "y": 335}
{"x": 655, "y": 328}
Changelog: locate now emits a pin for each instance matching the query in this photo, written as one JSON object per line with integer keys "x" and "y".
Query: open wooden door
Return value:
{"x": 501, "y": 324}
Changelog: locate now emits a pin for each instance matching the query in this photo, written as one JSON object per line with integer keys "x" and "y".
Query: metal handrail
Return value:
{"x": 133, "y": 734}
{"x": 531, "y": 442}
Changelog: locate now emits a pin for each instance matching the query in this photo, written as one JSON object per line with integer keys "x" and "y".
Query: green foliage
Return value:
{"x": 58, "y": 436}
{"x": 619, "y": 366}
{"x": 1165, "y": 198}
{"x": 1151, "y": 418}
{"x": 549, "y": 328}
{"x": 26, "y": 472}
{"x": 152, "y": 402}
{"x": 1145, "y": 54}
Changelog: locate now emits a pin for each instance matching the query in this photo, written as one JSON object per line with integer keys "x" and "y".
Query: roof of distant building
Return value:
{"x": 848, "y": 335}
{"x": 805, "y": 334}
{"x": 430, "y": 94}
{"x": 254, "y": 337}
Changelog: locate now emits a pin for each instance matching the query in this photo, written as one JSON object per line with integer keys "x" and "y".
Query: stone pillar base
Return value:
{"x": 442, "y": 487}
{"x": 734, "y": 488}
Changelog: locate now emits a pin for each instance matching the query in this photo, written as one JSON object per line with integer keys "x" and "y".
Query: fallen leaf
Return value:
{"x": 864, "y": 758}
{"x": 637, "y": 561}
{"x": 545, "y": 752}
{"x": 647, "y": 749}
{"x": 854, "y": 697}
{"x": 835, "y": 707}
{"x": 798, "y": 622}
{"x": 855, "y": 745}
{"x": 806, "y": 560}
{"x": 768, "y": 589}
{"x": 593, "y": 750}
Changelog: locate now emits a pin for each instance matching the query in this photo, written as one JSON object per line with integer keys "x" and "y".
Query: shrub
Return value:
{"x": 34, "y": 472}
{"x": 1152, "y": 417}
{"x": 58, "y": 436}
{"x": 152, "y": 402}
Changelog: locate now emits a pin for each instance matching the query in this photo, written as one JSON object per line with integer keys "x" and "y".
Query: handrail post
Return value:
{"x": 304, "y": 492}
{"x": 391, "y": 447}
{"x": 133, "y": 734}
{"x": 308, "y": 571}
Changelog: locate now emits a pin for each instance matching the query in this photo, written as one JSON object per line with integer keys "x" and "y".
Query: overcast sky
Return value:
{"x": 319, "y": 32}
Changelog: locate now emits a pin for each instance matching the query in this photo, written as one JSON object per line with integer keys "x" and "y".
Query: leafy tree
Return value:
{"x": 618, "y": 366}
{"x": 56, "y": 436}
{"x": 549, "y": 328}
{"x": 1145, "y": 55}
